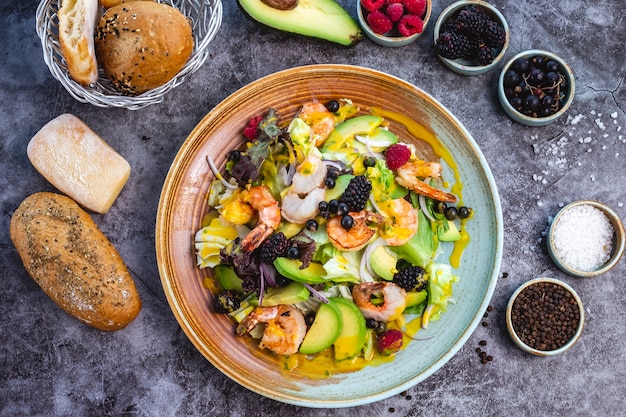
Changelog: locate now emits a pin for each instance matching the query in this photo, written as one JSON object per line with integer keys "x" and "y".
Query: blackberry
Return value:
{"x": 227, "y": 302}
{"x": 485, "y": 55}
{"x": 471, "y": 21}
{"x": 273, "y": 247}
{"x": 411, "y": 278}
{"x": 357, "y": 193}
{"x": 494, "y": 35}
{"x": 453, "y": 45}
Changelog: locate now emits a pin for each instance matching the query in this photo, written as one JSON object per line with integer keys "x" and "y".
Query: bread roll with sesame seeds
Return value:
{"x": 141, "y": 45}
{"x": 73, "y": 262}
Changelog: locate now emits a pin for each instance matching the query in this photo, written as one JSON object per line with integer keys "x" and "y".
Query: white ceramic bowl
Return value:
{"x": 566, "y": 101}
{"x": 618, "y": 241}
{"x": 205, "y": 16}
{"x": 389, "y": 40}
{"x": 516, "y": 338}
{"x": 462, "y": 66}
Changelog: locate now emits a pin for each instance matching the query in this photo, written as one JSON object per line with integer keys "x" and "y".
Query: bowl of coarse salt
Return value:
{"x": 586, "y": 238}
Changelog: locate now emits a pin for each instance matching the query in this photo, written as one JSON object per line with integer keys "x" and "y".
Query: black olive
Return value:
{"x": 234, "y": 156}
{"x": 333, "y": 106}
{"x": 440, "y": 207}
{"x": 293, "y": 252}
{"x": 451, "y": 213}
{"x": 347, "y": 222}
{"x": 465, "y": 212}
{"x": 311, "y": 225}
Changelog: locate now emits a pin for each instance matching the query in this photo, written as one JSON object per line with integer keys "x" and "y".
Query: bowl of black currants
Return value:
{"x": 536, "y": 87}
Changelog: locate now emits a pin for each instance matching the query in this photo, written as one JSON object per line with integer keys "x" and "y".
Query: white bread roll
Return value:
{"x": 141, "y": 45}
{"x": 68, "y": 256}
{"x": 77, "y": 23}
{"x": 78, "y": 162}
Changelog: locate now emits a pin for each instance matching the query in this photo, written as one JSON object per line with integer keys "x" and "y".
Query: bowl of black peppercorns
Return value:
{"x": 536, "y": 87}
{"x": 471, "y": 37}
{"x": 545, "y": 317}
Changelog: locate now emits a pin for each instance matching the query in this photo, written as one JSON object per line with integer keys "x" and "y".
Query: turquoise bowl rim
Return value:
{"x": 524, "y": 346}
{"x": 619, "y": 240}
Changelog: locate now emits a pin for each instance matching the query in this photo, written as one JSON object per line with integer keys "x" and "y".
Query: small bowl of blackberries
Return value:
{"x": 536, "y": 87}
{"x": 393, "y": 23}
{"x": 471, "y": 37}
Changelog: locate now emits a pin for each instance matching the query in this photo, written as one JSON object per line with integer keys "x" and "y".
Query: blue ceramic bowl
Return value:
{"x": 183, "y": 204}
{"x": 462, "y": 66}
{"x": 529, "y": 120}
{"x": 388, "y": 40}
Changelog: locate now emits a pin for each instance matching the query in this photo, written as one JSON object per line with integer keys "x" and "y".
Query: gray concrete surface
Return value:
{"x": 51, "y": 365}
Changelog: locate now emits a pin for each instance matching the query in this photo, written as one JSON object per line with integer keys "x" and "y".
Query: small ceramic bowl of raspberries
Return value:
{"x": 393, "y": 22}
{"x": 536, "y": 87}
{"x": 471, "y": 37}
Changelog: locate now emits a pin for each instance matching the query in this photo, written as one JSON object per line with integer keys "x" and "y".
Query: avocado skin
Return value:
{"x": 337, "y": 26}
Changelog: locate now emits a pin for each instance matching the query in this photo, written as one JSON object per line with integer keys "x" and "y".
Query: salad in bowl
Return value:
{"x": 323, "y": 236}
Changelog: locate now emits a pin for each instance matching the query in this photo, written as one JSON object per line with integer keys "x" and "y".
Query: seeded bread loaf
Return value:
{"x": 78, "y": 162}
{"x": 141, "y": 45}
{"x": 68, "y": 256}
{"x": 77, "y": 23}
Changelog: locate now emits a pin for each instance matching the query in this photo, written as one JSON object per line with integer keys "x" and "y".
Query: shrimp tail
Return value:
{"x": 256, "y": 236}
{"x": 421, "y": 187}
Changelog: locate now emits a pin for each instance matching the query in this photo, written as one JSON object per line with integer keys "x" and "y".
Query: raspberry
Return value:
{"x": 397, "y": 155}
{"x": 416, "y": 7}
{"x": 251, "y": 129}
{"x": 394, "y": 11}
{"x": 389, "y": 342}
{"x": 372, "y": 5}
{"x": 410, "y": 24}
{"x": 379, "y": 23}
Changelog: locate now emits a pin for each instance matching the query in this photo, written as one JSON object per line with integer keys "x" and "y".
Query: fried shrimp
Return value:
{"x": 400, "y": 223}
{"x": 357, "y": 236}
{"x": 321, "y": 121}
{"x": 394, "y": 300}
{"x": 285, "y": 328}
{"x": 411, "y": 175}
{"x": 263, "y": 202}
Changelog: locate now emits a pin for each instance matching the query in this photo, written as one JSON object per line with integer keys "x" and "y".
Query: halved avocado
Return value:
{"x": 354, "y": 331}
{"x": 323, "y": 19}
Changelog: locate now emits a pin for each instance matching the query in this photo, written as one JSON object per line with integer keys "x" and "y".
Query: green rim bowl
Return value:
{"x": 462, "y": 66}
{"x": 529, "y": 120}
{"x": 618, "y": 242}
{"x": 518, "y": 341}
{"x": 391, "y": 41}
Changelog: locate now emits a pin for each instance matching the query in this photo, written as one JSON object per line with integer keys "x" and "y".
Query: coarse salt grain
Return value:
{"x": 583, "y": 238}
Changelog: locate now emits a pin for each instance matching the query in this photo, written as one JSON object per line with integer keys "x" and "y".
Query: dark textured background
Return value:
{"x": 51, "y": 365}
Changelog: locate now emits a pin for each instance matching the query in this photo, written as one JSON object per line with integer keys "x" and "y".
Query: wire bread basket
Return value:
{"x": 205, "y": 17}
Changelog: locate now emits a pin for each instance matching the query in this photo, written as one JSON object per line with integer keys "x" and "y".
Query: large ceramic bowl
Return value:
{"x": 183, "y": 204}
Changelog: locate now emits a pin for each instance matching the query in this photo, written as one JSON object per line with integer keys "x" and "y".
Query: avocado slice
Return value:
{"x": 351, "y": 340}
{"x": 359, "y": 125}
{"x": 324, "y": 331}
{"x": 290, "y": 268}
{"x": 227, "y": 278}
{"x": 383, "y": 263}
{"x": 379, "y": 138}
{"x": 323, "y": 19}
{"x": 448, "y": 232}
{"x": 292, "y": 293}
{"x": 341, "y": 183}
